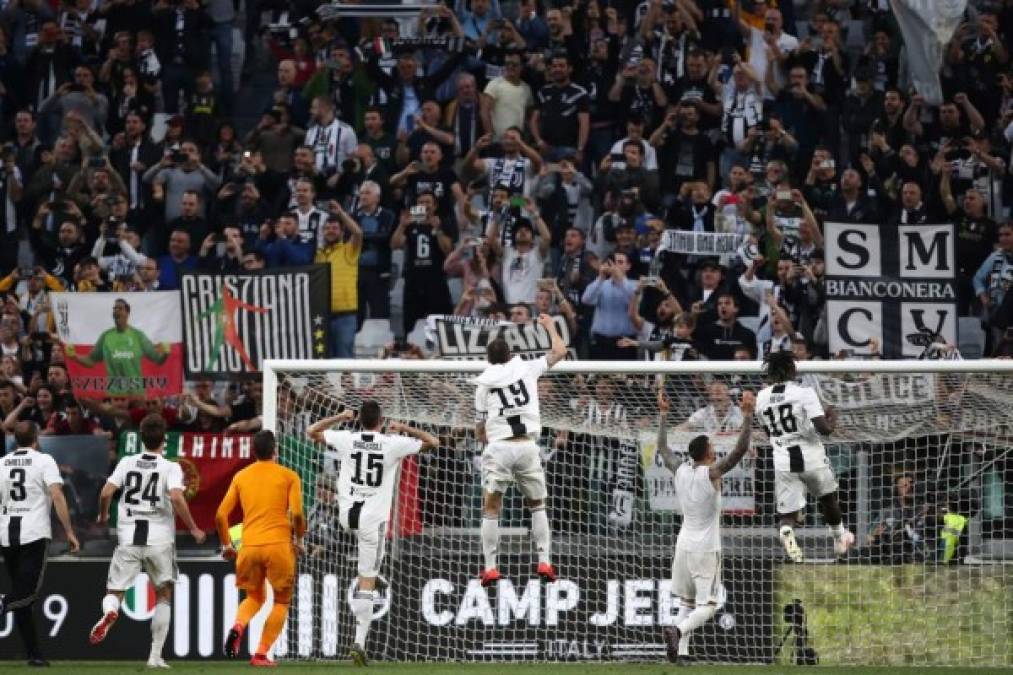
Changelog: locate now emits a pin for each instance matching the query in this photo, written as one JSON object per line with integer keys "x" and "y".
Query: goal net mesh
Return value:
{"x": 921, "y": 458}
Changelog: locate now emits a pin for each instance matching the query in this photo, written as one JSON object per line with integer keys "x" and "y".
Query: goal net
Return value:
{"x": 921, "y": 453}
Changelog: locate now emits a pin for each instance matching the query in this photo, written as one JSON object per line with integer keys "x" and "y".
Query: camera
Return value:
{"x": 98, "y": 162}
{"x": 763, "y": 125}
{"x": 769, "y": 26}
{"x": 783, "y": 195}
{"x": 652, "y": 281}
{"x": 178, "y": 156}
{"x": 8, "y": 152}
{"x": 418, "y": 214}
{"x": 827, "y": 164}
{"x": 727, "y": 56}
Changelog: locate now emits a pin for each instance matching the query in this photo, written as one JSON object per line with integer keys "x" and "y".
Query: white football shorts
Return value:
{"x": 506, "y": 462}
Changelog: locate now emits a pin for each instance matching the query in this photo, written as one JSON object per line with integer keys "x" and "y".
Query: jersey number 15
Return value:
{"x": 373, "y": 469}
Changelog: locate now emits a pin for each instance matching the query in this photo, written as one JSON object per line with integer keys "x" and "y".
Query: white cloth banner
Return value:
{"x": 701, "y": 243}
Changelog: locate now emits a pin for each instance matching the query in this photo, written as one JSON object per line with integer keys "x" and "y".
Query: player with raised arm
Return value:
{"x": 270, "y": 497}
{"x": 794, "y": 419}
{"x": 696, "y": 567}
{"x": 369, "y": 462}
{"x": 508, "y": 421}
{"x": 151, "y": 490}
{"x": 30, "y": 487}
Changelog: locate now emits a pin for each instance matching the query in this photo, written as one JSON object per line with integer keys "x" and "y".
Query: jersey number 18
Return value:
{"x": 788, "y": 423}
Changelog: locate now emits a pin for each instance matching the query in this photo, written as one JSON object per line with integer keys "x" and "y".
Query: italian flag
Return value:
{"x": 208, "y": 461}
{"x": 139, "y": 600}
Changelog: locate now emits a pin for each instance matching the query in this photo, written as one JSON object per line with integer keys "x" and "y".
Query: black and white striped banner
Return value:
{"x": 231, "y": 323}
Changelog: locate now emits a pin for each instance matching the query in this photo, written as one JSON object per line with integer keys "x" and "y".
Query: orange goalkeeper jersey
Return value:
{"x": 271, "y": 499}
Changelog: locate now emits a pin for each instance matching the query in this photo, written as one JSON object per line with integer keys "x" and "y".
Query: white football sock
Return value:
{"x": 490, "y": 540}
{"x": 696, "y": 618}
{"x": 684, "y": 612}
{"x": 362, "y": 608}
{"x": 110, "y": 603}
{"x": 837, "y": 530}
{"x": 541, "y": 533}
{"x": 159, "y": 628}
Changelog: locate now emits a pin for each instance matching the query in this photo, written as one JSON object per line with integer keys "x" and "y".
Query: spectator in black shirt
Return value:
{"x": 852, "y": 204}
{"x": 719, "y": 340}
{"x": 976, "y": 235}
{"x": 684, "y": 152}
{"x": 561, "y": 122}
{"x": 428, "y": 174}
{"x": 427, "y": 240}
{"x": 639, "y": 93}
{"x": 406, "y": 77}
{"x": 694, "y": 86}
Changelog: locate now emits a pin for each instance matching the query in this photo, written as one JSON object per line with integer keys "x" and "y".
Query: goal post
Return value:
{"x": 923, "y": 453}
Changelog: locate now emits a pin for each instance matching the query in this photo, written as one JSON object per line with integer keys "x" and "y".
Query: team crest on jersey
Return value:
{"x": 139, "y": 600}
{"x": 191, "y": 478}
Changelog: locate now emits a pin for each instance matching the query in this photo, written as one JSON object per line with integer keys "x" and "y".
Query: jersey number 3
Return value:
{"x": 519, "y": 395}
{"x": 787, "y": 419}
{"x": 134, "y": 483}
{"x": 373, "y": 469}
{"x": 18, "y": 490}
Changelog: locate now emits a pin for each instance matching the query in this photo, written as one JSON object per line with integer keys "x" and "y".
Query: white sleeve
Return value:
{"x": 538, "y": 367}
{"x": 337, "y": 439}
{"x": 174, "y": 480}
{"x": 481, "y": 393}
{"x": 695, "y": 420}
{"x": 811, "y": 403}
{"x": 116, "y": 478}
{"x": 51, "y": 473}
{"x": 405, "y": 446}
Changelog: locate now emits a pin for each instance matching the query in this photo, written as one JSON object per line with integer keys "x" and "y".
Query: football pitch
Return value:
{"x": 302, "y": 668}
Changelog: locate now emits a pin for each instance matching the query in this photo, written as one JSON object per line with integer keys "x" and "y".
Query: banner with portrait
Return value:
{"x": 121, "y": 344}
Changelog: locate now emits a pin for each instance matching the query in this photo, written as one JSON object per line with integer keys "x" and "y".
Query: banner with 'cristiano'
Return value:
{"x": 232, "y": 322}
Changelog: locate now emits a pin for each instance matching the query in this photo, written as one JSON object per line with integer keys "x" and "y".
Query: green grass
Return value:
{"x": 905, "y": 614}
{"x": 186, "y": 667}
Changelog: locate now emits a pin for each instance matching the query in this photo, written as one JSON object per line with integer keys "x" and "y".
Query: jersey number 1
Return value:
{"x": 134, "y": 483}
{"x": 373, "y": 469}
{"x": 787, "y": 419}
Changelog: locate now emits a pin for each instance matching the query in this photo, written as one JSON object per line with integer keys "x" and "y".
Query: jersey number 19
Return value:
{"x": 519, "y": 395}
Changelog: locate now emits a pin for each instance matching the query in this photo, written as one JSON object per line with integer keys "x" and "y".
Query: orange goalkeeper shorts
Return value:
{"x": 274, "y": 562}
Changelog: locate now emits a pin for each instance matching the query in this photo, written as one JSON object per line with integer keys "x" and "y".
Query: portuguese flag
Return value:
{"x": 208, "y": 461}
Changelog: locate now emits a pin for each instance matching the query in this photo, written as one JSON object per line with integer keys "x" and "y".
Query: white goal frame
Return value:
{"x": 981, "y": 564}
{"x": 272, "y": 366}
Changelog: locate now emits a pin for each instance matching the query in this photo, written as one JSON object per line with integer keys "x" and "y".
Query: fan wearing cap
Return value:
{"x": 701, "y": 294}
{"x": 523, "y": 259}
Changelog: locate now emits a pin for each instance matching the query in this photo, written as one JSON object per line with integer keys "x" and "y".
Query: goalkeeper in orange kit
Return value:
{"x": 273, "y": 528}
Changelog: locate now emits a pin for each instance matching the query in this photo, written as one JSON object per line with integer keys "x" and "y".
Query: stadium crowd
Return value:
{"x": 503, "y": 158}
